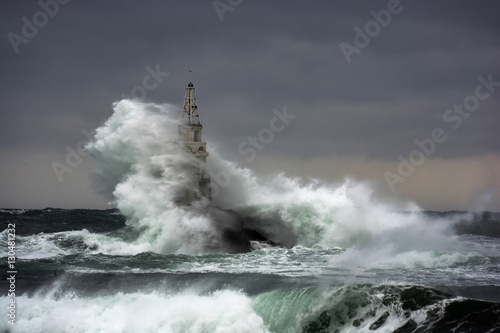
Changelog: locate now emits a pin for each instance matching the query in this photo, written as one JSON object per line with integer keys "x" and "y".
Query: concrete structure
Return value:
{"x": 190, "y": 131}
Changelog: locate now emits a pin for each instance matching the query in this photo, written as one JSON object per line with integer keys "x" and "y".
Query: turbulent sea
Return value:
{"x": 74, "y": 276}
{"x": 266, "y": 255}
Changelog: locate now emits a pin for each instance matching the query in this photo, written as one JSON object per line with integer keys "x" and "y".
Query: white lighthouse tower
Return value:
{"x": 190, "y": 130}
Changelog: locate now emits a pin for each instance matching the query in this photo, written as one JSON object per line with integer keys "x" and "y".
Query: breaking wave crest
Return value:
{"x": 352, "y": 308}
{"x": 373, "y": 308}
{"x": 221, "y": 311}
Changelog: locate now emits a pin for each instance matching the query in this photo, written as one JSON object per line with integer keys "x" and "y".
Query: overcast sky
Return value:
{"x": 360, "y": 99}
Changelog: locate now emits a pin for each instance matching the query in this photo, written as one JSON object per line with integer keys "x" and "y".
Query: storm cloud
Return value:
{"x": 356, "y": 115}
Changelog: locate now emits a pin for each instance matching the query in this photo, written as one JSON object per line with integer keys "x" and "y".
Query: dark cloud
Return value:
{"x": 261, "y": 56}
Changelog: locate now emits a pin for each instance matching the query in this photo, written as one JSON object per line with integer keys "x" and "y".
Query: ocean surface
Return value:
{"x": 74, "y": 275}
{"x": 267, "y": 254}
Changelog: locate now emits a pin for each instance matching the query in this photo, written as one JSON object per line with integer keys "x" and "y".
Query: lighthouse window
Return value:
{"x": 196, "y": 135}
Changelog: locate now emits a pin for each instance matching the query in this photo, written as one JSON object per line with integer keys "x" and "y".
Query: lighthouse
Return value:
{"x": 190, "y": 130}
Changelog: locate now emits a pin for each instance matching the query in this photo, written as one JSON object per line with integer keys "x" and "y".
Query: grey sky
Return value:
{"x": 354, "y": 119}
